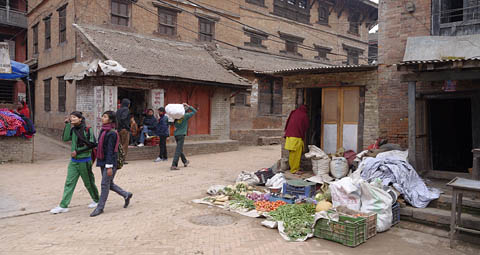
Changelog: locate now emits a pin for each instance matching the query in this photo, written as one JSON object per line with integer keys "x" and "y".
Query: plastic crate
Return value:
{"x": 349, "y": 231}
{"x": 306, "y": 191}
{"x": 286, "y": 200}
{"x": 395, "y": 213}
{"x": 370, "y": 219}
{"x": 264, "y": 174}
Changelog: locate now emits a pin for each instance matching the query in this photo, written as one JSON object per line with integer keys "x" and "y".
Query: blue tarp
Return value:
{"x": 19, "y": 70}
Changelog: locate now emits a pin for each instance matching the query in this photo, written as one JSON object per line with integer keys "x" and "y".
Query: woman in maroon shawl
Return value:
{"x": 295, "y": 130}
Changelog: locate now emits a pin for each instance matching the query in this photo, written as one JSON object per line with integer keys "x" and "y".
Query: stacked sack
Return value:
{"x": 320, "y": 162}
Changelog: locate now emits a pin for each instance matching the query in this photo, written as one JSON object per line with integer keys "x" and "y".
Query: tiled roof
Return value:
{"x": 146, "y": 55}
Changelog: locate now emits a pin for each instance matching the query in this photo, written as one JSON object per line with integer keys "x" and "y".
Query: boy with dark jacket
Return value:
{"x": 149, "y": 126}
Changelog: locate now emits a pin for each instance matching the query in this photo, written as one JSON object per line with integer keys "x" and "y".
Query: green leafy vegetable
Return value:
{"x": 297, "y": 219}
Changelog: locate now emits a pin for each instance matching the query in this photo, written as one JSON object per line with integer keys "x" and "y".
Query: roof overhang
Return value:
{"x": 320, "y": 70}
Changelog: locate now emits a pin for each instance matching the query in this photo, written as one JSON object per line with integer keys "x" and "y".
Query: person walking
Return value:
{"x": 181, "y": 127}
{"x": 123, "y": 120}
{"x": 163, "y": 132}
{"x": 107, "y": 155}
{"x": 81, "y": 162}
{"x": 295, "y": 131}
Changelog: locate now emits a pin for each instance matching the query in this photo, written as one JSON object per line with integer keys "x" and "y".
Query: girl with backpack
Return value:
{"x": 107, "y": 157}
{"x": 83, "y": 142}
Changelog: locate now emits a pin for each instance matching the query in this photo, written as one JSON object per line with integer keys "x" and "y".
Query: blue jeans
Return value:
{"x": 142, "y": 134}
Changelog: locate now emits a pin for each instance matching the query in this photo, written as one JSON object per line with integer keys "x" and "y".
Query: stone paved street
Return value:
{"x": 160, "y": 217}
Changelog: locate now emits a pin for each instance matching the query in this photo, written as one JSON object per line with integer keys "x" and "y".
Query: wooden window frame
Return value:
{"x": 354, "y": 23}
{"x": 35, "y": 39}
{"x": 7, "y": 91}
{"x": 441, "y": 25}
{"x": 115, "y": 14}
{"x": 254, "y": 34}
{"x": 203, "y": 36}
{"x": 323, "y": 20}
{"x": 256, "y": 2}
{"x": 62, "y": 24}
{"x": 293, "y": 10}
{"x": 352, "y": 52}
{"x": 62, "y": 94}
{"x": 47, "y": 100}
{"x": 48, "y": 32}
{"x": 294, "y": 41}
{"x": 274, "y": 94}
{"x": 322, "y": 50}
{"x": 168, "y": 12}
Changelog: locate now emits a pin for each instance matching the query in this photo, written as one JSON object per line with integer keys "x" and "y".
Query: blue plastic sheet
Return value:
{"x": 19, "y": 70}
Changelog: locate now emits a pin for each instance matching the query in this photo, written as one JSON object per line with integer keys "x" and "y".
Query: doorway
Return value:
{"x": 450, "y": 124}
{"x": 314, "y": 103}
{"x": 138, "y": 101}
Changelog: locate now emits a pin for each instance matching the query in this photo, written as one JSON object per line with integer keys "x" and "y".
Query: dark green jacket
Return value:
{"x": 181, "y": 125}
{"x": 69, "y": 135}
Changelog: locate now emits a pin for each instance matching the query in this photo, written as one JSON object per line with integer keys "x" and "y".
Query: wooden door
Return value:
{"x": 340, "y": 111}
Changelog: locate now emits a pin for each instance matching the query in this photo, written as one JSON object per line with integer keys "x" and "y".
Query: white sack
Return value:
{"x": 111, "y": 67}
{"x": 175, "y": 111}
{"x": 276, "y": 181}
{"x": 346, "y": 192}
{"x": 375, "y": 199}
{"x": 339, "y": 167}
{"x": 250, "y": 178}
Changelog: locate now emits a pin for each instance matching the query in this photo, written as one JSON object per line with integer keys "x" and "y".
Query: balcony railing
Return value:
{"x": 13, "y": 18}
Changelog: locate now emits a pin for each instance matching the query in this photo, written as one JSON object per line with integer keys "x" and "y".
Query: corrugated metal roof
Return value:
{"x": 324, "y": 69}
{"x": 434, "y": 61}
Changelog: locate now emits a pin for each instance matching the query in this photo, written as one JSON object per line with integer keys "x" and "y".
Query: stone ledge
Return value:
{"x": 189, "y": 148}
{"x": 437, "y": 217}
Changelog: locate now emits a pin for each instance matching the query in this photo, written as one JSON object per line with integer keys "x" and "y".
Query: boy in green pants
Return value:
{"x": 83, "y": 141}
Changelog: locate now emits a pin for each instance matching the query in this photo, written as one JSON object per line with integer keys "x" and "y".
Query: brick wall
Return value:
{"x": 16, "y": 149}
{"x": 395, "y": 26}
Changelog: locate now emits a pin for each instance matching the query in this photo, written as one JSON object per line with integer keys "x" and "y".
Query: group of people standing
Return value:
{"x": 115, "y": 133}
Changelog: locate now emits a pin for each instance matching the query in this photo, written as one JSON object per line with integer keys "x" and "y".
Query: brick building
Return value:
{"x": 428, "y": 82}
{"x": 328, "y": 32}
{"x": 13, "y": 25}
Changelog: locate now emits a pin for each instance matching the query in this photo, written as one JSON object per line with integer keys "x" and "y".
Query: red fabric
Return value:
{"x": 25, "y": 111}
{"x": 297, "y": 123}
{"x": 350, "y": 156}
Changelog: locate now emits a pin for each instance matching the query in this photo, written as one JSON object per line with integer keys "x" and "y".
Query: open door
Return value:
{"x": 340, "y": 111}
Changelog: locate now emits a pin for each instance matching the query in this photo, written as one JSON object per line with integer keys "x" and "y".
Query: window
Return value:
{"x": 353, "y": 54}
{"x": 270, "y": 97}
{"x": 62, "y": 24}
{"x": 256, "y": 2}
{"x": 47, "y": 33}
{"x": 297, "y": 10}
{"x": 322, "y": 52}
{"x": 7, "y": 91}
{"x": 354, "y": 23}
{"x": 46, "y": 95}
{"x": 256, "y": 38}
{"x": 241, "y": 99}
{"x": 120, "y": 12}
{"x": 167, "y": 22}
{"x": 291, "y": 44}
{"x": 455, "y": 17}
{"x": 35, "y": 38}
{"x": 323, "y": 14}
{"x": 207, "y": 30}
{"x": 62, "y": 94}
{"x": 12, "y": 4}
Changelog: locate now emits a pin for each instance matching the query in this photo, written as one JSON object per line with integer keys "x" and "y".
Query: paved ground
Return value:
{"x": 160, "y": 218}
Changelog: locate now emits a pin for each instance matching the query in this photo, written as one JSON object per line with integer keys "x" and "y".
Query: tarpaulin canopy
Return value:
{"x": 19, "y": 70}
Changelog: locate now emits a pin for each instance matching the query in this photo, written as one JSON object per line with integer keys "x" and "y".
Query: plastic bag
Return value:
{"x": 175, "y": 111}
{"x": 400, "y": 155}
{"x": 346, "y": 192}
{"x": 276, "y": 181}
{"x": 339, "y": 167}
{"x": 215, "y": 190}
{"x": 375, "y": 199}
{"x": 249, "y": 178}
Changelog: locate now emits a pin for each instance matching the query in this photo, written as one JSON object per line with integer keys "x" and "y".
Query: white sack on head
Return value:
{"x": 175, "y": 111}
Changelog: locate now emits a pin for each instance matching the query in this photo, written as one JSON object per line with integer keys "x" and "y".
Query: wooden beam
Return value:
{"x": 412, "y": 124}
{"x": 441, "y": 76}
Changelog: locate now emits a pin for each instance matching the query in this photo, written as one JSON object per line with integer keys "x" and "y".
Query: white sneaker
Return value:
{"x": 158, "y": 160}
{"x": 58, "y": 209}
{"x": 140, "y": 145}
{"x": 92, "y": 205}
